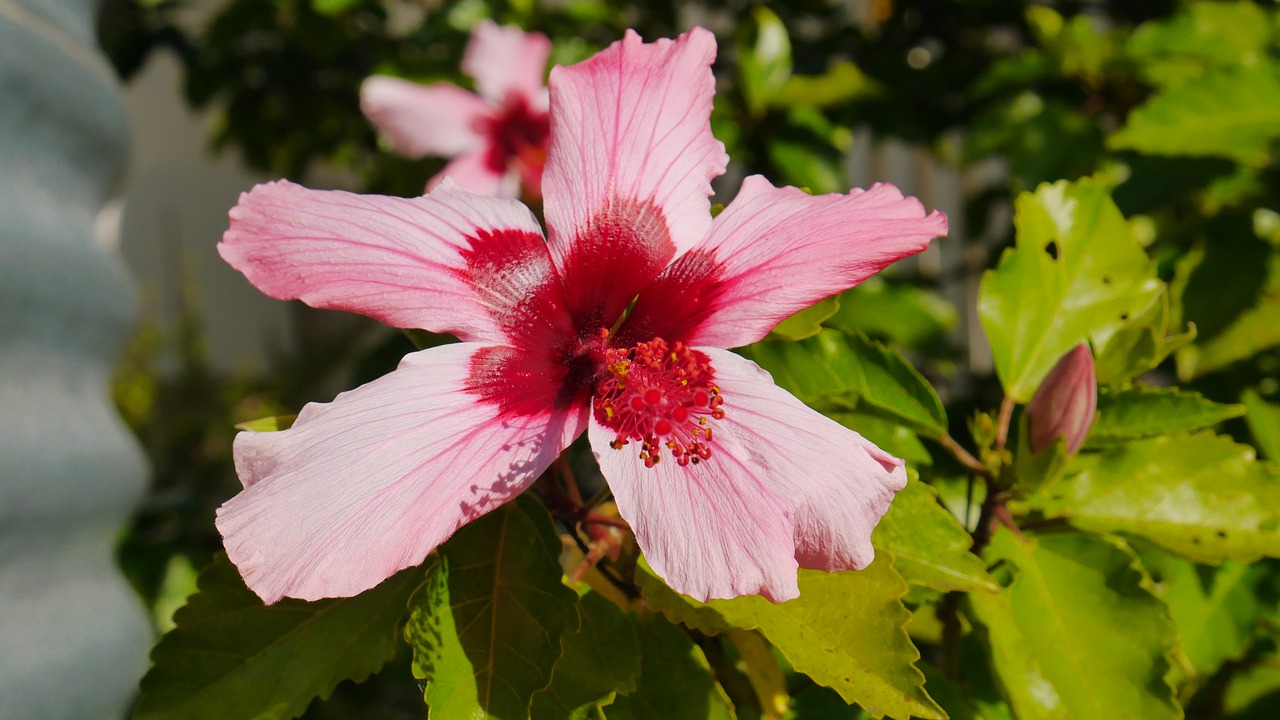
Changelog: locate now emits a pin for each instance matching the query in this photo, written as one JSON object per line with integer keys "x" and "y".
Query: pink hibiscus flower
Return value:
{"x": 497, "y": 139}
{"x": 614, "y": 324}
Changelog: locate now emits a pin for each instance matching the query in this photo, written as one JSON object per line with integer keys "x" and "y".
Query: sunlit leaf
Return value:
{"x": 843, "y": 81}
{"x": 929, "y": 546}
{"x": 675, "y": 680}
{"x": 268, "y": 424}
{"x": 1201, "y": 496}
{"x": 1231, "y": 112}
{"x": 762, "y": 671}
{"x": 487, "y": 625}
{"x": 1203, "y": 35}
{"x": 1264, "y": 423}
{"x": 764, "y": 58}
{"x": 232, "y": 657}
{"x": 1076, "y": 635}
{"x": 807, "y": 322}
{"x": 1139, "y": 412}
{"x": 1076, "y": 271}
{"x": 845, "y": 631}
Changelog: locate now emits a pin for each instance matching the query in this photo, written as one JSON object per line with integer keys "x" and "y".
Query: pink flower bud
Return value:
{"x": 1065, "y": 402}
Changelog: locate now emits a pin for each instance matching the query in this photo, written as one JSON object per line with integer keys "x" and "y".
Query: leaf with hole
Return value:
{"x": 1076, "y": 271}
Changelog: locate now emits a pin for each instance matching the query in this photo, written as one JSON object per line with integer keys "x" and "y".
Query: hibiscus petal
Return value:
{"x": 505, "y": 60}
{"x": 450, "y": 261}
{"x": 775, "y": 251}
{"x": 628, "y": 174}
{"x": 369, "y": 484}
{"x": 784, "y": 488}
{"x": 418, "y": 120}
{"x": 473, "y": 172}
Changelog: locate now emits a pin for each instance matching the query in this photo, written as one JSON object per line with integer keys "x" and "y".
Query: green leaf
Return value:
{"x": 1215, "y": 609}
{"x": 845, "y": 631}
{"x": 1076, "y": 634}
{"x": 486, "y": 628}
{"x": 675, "y": 680}
{"x": 888, "y": 435}
{"x": 764, "y": 59}
{"x": 1205, "y": 34}
{"x": 1264, "y": 423}
{"x": 1139, "y": 345}
{"x": 907, "y": 315}
{"x": 832, "y": 366}
{"x": 1253, "y": 331}
{"x": 231, "y": 656}
{"x": 843, "y": 81}
{"x": 1076, "y": 271}
{"x": 332, "y": 7}
{"x": 807, "y": 322}
{"x": 1140, "y": 411}
{"x": 268, "y": 424}
{"x": 600, "y": 659}
{"x": 1231, "y": 112}
{"x": 928, "y": 545}
{"x": 1201, "y": 496}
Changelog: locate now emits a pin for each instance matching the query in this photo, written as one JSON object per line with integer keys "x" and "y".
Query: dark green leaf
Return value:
{"x": 1251, "y": 331}
{"x": 832, "y": 366}
{"x": 1076, "y": 635}
{"x": 909, "y": 316}
{"x": 233, "y": 657}
{"x": 845, "y": 631}
{"x": 1201, "y": 496}
{"x": 600, "y": 659}
{"x": 1076, "y": 272}
{"x": 675, "y": 680}
{"x": 928, "y": 545}
{"x": 1139, "y": 412}
{"x": 486, "y": 628}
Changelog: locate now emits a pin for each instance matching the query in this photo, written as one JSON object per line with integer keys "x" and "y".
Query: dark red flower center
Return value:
{"x": 662, "y": 395}
{"x": 517, "y": 131}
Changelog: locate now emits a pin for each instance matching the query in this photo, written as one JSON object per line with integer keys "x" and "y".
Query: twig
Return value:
{"x": 1002, "y": 425}
{"x": 969, "y": 461}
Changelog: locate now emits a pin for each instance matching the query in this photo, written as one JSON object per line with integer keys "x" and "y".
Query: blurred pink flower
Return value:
{"x": 615, "y": 324}
{"x": 498, "y": 138}
{"x": 1065, "y": 402}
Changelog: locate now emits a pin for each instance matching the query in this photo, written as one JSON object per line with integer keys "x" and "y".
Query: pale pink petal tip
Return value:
{"x": 632, "y": 124}
{"x": 785, "y": 488}
{"x": 504, "y": 60}
{"x": 365, "y": 486}
{"x": 418, "y": 120}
